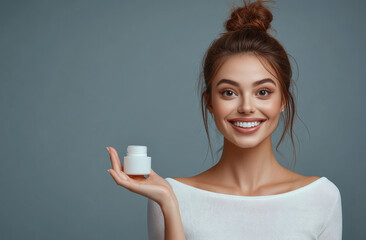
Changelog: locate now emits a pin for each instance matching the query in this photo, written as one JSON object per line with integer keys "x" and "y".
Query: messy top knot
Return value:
{"x": 251, "y": 15}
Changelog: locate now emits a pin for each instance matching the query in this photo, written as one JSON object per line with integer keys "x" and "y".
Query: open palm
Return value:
{"x": 154, "y": 187}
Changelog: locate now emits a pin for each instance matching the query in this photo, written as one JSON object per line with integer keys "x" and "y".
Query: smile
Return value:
{"x": 246, "y": 127}
{"x": 246, "y": 124}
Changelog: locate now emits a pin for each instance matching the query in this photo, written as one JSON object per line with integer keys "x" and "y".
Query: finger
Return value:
{"x": 124, "y": 176}
{"x": 115, "y": 154}
{"x": 117, "y": 178}
{"x": 116, "y": 163}
{"x": 129, "y": 183}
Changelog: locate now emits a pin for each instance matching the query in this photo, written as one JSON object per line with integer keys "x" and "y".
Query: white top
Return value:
{"x": 310, "y": 212}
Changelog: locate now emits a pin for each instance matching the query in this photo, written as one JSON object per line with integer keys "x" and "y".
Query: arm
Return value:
{"x": 332, "y": 229}
{"x": 172, "y": 221}
{"x": 164, "y": 222}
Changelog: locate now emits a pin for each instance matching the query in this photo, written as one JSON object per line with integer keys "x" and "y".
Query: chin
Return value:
{"x": 246, "y": 143}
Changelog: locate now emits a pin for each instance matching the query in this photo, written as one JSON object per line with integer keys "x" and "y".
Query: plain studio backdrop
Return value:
{"x": 77, "y": 76}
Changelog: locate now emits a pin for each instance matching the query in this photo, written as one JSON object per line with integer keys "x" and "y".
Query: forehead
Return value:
{"x": 245, "y": 69}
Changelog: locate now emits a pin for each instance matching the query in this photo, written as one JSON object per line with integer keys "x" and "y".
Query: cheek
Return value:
{"x": 271, "y": 108}
{"x": 222, "y": 108}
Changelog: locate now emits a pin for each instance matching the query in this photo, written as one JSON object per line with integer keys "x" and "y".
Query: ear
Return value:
{"x": 208, "y": 105}
{"x": 283, "y": 104}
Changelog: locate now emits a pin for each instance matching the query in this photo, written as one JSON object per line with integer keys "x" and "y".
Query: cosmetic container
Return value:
{"x": 137, "y": 162}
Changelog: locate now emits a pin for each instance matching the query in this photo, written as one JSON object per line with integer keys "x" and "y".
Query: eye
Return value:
{"x": 228, "y": 91}
{"x": 265, "y": 90}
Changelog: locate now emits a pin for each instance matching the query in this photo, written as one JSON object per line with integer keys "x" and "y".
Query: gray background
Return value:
{"x": 77, "y": 76}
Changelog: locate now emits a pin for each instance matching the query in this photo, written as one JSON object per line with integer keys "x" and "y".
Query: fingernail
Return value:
{"x": 108, "y": 170}
{"x": 107, "y": 149}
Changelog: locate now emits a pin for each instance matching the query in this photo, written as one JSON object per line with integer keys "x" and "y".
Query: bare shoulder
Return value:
{"x": 301, "y": 180}
{"x": 288, "y": 183}
{"x": 292, "y": 182}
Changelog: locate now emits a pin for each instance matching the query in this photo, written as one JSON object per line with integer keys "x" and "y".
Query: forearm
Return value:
{"x": 172, "y": 221}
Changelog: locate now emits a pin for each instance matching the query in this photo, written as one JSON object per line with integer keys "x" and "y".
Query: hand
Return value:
{"x": 154, "y": 187}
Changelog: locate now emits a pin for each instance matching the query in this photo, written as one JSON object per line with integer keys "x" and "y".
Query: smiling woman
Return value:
{"x": 260, "y": 102}
{"x": 245, "y": 86}
{"x": 265, "y": 53}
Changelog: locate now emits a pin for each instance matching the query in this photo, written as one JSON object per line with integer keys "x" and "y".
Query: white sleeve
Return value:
{"x": 155, "y": 221}
{"x": 332, "y": 229}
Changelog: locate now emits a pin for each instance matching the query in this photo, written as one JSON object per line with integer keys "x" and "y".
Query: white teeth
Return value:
{"x": 246, "y": 124}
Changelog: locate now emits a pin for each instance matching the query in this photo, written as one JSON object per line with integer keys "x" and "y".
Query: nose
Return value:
{"x": 246, "y": 104}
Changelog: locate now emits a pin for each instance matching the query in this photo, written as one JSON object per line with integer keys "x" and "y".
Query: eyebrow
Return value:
{"x": 259, "y": 82}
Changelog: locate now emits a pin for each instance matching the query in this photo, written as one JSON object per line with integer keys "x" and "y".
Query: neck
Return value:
{"x": 246, "y": 169}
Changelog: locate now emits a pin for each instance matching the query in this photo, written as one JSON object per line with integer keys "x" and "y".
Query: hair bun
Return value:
{"x": 251, "y": 15}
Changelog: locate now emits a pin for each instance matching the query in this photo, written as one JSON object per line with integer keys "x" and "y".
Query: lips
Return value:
{"x": 247, "y": 130}
{"x": 247, "y": 120}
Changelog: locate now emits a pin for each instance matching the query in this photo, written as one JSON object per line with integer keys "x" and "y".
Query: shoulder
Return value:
{"x": 324, "y": 191}
{"x": 299, "y": 181}
{"x": 326, "y": 185}
{"x": 330, "y": 189}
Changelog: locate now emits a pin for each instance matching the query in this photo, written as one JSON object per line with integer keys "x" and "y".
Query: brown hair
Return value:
{"x": 247, "y": 33}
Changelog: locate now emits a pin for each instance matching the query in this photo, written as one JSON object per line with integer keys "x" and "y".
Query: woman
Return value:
{"x": 247, "y": 194}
